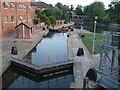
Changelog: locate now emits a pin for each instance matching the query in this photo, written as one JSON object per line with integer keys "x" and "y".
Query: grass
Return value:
{"x": 88, "y": 41}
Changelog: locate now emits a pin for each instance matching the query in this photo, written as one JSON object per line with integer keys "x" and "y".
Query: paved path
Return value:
{"x": 81, "y": 64}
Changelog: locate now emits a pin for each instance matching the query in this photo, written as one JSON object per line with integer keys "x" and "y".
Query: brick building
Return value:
{"x": 24, "y": 30}
{"x": 60, "y": 22}
{"x": 13, "y": 12}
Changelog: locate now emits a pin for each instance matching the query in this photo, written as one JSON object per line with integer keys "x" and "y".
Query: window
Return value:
{"x": 20, "y": 18}
{"x": 5, "y": 4}
{"x": 6, "y": 18}
{"x": 28, "y": 17}
{"x": 29, "y": 7}
{"x": 12, "y": 18}
{"x": 23, "y": 6}
{"x": 19, "y": 6}
{"x": 61, "y": 23}
{"x": 11, "y": 5}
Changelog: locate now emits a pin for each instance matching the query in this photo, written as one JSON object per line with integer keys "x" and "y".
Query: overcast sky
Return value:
{"x": 76, "y": 2}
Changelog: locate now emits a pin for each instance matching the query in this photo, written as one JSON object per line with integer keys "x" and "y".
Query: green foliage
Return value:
{"x": 66, "y": 16}
{"x": 95, "y": 9}
{"x": 59, "y": 5}
{"x": 65, "y": 8}
{"x": 114, "y": 11}
{"x": 65, "y": 11}
{"x": 52, "y": 20}
{"x": 78, "y": 10}
{"x": 36, "y": 20}
{"x": 49, "y": 16}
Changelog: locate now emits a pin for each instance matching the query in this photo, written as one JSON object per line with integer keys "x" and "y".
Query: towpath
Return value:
{"x": 82, "y": 63}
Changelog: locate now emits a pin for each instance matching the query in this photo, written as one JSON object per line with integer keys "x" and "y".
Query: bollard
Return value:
{"x": 82, "y": 35}
{"x": 14, "y": 50}
{"x": 80, "y": 52}
{"x": 67, "y": 35}
{"x": 71, "y": 29}
{"x": 86, "y": 83}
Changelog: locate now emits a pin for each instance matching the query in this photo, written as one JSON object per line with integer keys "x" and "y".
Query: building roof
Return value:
{"x": 28, "y": 25}
{"x": 41, "y": 5}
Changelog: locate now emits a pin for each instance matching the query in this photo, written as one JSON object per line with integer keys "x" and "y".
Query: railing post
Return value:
{"x": 86, "y": 83}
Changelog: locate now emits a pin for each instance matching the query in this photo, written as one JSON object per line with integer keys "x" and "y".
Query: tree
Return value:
{"x": 95, "y": 9}
{"x": 66, "y": 16}
{"x": 49, "y": 16}
{"x": 59, "y": 5}
{"x": 113, "y": 12}
{"x": 78, "y": 10}
{"x": 65, "y": 8}
{"x": 36, "y": 20}
{"x": 52, "y": 20}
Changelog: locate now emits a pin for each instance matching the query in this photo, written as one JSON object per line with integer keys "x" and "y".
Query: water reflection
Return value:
{"x": 52, "y": 49}
{"x": 24, "y": 79}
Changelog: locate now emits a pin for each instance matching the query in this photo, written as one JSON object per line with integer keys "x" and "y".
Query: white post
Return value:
{"x": 94, "y": 35}
{"x": 81, "y": 27}
{"x": 23, "y": 31}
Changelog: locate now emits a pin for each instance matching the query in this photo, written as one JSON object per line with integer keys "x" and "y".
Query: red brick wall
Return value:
{"x": 27, "y": 33}
{"x": 60, "y": 22}
{"x": 19, "y": 31}
{"x": 8, "y": 28}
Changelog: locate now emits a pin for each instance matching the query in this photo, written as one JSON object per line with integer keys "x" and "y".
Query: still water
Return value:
{"x": 14, "y": 78}
{"x": 52, "y": 49}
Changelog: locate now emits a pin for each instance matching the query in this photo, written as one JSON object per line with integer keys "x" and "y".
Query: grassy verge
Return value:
{"x": 88, "y": 41}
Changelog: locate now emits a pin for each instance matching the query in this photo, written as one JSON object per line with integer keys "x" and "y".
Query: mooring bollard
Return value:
{"x": 14, "y": 50}
{"x": 71, "y": 29}
{"x": 80, "y": 52}
{"x": 86, "y": 83}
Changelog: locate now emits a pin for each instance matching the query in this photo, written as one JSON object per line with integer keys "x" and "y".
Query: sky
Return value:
{"x": 76, "y": 2}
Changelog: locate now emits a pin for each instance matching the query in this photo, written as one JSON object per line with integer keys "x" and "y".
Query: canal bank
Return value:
{"x": 23, "y": 47}
{"x": 81, "y": 63}
{"x": 52, "y": 44}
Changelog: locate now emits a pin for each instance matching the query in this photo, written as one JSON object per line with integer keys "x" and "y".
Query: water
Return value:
{"x": 14, "y": 78}
{"x": 52, "y": 49}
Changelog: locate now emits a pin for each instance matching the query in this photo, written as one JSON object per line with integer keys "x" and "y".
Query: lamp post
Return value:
{"x": 95, "y": 22}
